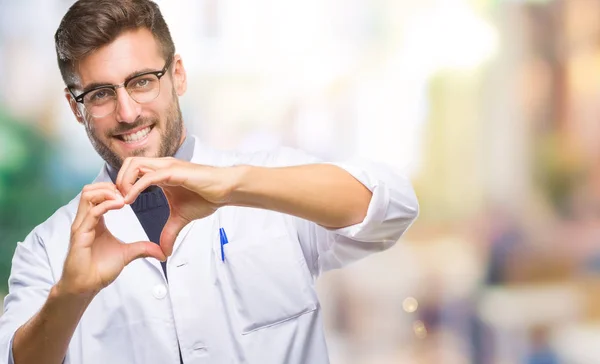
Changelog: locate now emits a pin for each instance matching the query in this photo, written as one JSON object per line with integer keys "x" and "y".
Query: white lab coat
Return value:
{"x": 259, "y": 306}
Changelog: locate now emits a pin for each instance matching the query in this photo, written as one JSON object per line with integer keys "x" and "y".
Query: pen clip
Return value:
{"x": 223, "y": 239}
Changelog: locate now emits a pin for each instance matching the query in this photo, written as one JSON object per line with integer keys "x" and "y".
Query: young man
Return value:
{"x": 242, "y": 238}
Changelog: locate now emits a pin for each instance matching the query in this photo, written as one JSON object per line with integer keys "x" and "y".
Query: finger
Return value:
{"x": 96, "y": 197}
{"x": 139, "y": 167}
{"x": 93, "y": 216}
{"x": 145, "y": 170}
{"x": 128, "y": 172}
{"x": 91, "y": 197}
{"x": 142, "y": 249}
{"x": 98, "y": 185}
{"x": 171, "y": 230}
{"x": 131, "y": 169}
{"x": 122, "y": 170}
{"x": 153, "y": 178}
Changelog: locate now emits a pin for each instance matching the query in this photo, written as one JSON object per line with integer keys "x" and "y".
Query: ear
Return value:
{"x": 75, "y": 108}
{"x": 179, "y": 75}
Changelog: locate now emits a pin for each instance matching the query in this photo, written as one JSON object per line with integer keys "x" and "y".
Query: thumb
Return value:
{"x": 142, "y": 249}
{"x": 172, "y": 228}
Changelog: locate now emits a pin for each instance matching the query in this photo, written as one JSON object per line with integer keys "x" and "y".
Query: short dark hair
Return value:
{"x": 91, "y": 24}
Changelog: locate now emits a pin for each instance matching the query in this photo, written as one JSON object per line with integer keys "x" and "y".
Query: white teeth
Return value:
{"x": 137, "y": 136}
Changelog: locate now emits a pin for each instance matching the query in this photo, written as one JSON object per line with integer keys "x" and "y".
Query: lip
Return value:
{"x": 135, "y": 145}
{"x": 135, "y": 130}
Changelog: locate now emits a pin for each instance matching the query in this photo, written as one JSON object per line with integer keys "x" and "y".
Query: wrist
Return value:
{"x": 237, "y": 177}
{"x": 62, "y": 290}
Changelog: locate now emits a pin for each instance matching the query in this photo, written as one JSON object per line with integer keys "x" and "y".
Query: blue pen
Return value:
{"x": 224, "y": 241}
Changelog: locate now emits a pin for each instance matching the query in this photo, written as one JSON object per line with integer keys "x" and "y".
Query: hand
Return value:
{"x": 193, "y": 191}
{"x": 95, "y": 256}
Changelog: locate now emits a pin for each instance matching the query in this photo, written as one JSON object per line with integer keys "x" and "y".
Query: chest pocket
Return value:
{"x": 266, "y": 276}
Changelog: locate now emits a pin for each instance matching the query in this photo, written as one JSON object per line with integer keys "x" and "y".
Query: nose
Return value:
{"x": 127, "y": 110}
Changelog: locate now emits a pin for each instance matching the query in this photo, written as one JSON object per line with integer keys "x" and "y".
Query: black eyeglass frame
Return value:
{"x": 158, "y": 74}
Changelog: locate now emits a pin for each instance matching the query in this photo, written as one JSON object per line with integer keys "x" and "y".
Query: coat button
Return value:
{"x": 159, "y": 291}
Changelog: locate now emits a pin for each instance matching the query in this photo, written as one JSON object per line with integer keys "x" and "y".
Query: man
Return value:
{"x": 245, "y": 235}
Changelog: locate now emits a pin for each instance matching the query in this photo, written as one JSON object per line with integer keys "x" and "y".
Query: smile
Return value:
{"x": 135, "y": 136}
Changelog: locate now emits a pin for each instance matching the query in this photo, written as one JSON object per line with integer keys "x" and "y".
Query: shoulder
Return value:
{"x": 58, "y": 225}
{"x": 273, "y": 157}
{"x": 46, "y": 245}
{"x": 53, "y": 234}
{"x": 279, "y": 157}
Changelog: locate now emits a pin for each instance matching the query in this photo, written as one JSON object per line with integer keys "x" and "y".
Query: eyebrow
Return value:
{"x": 133, "y": 74}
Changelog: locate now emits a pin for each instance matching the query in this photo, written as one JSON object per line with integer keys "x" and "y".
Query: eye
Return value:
{"x": 142, "y": 83}
{"x": 99, "y": 95}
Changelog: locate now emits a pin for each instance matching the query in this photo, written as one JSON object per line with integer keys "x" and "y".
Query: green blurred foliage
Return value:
{"x": 26, "y": 196}
{"x": 557, "y": 171}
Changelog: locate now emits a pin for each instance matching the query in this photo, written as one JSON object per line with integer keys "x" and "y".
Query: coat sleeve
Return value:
{"x": 392, "y": 209}
{"x": 29, "y": 285}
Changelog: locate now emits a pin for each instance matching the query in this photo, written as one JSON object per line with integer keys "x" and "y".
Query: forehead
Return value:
{"x": 131, "y": 51}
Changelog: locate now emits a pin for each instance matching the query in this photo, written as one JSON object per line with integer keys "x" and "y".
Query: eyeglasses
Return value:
{"x": 102, "y": 100}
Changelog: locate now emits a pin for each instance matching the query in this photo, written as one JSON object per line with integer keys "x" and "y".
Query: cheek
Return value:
{"x": 160, "y": 114}
{"x": 97, "y": 127}
{"x": 166, "y": 99}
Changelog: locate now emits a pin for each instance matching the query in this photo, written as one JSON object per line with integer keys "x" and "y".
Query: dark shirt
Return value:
{"x": 152, "y": 210}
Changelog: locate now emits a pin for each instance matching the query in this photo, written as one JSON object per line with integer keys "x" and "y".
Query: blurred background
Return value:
{"x": 490, "y": 106}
